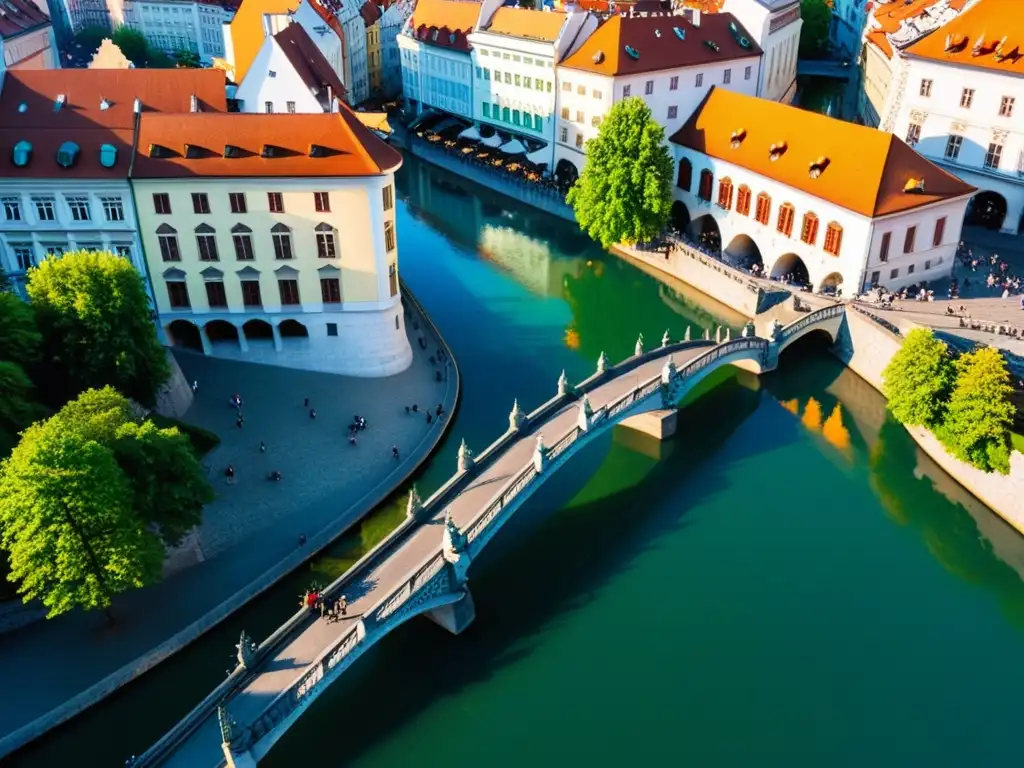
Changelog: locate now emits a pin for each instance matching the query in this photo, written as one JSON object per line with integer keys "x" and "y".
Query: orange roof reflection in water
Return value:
{"x": 834, "y": 431}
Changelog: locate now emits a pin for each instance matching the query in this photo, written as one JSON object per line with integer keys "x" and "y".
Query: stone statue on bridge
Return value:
{"x": 246, "y": 650}
{"x": 516, "y": 418}
{"x": 454, "y": 542}
{"x": 639, "y": 348}
{"x": 563, "y": 384}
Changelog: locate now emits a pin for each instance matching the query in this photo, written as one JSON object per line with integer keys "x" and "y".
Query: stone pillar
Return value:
{"x": 639, "y": 348}
{"x": 415, "y": 504}
{"x": 718, "y": 335}
{"x": 665, "y": 338}
{"x": 586, "y": 414}
{"x": 205, "y": 340}
{"x": 563, "y": 385}
{"x": 660, "y": 424}
{"x": 516, "y": 418}
{"x": 686, "y": 336}
{"x": 242, "y": 343}
{"x": 277, "y": 337}
{"x": 457, "y": 616}
{"x": 540, "y": 455}
{"x": 707, "y": 334}
{"x": 728, "y": 335}
{"x": 602, "y": 363}
{"x": 465, "y": 457}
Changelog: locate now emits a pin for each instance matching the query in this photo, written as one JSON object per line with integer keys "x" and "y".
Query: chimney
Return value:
{"x": 137, "y": 107}
{"x": 104, "y": 104}
{"x": 330, "y": 98}
{"x": 696, "y": 17}
{"x": 61, "y": 98}
{"x": 193, "y": 103}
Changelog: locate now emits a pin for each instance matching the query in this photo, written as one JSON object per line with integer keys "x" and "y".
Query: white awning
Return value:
{"x": 514, "y": 147}
{"x": 470, "y": 133}
{"x": 539, "y": 157}
{"x": 492, "y": 141}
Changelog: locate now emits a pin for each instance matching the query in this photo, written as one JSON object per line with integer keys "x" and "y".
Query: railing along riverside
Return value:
{"x": 812, "y": 317}
{"x": 890, "y": 327}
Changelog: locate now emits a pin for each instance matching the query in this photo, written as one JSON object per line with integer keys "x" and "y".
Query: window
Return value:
{"x": 992, "y": 157}
{"x": 910, "y": 269}
{"x": 725, "y": 194}
{"x": 581, "y": 90}
{"x": 44, "y": 208}
{"x": 200, "y": 202}
{"x": 672, "y": 112}
{"x": 124, "y": 251}
{"x": 168, "y": 240}
{"x": 833, "y": 238}
{"x": 809, "y": 229}
{"x": 927, "y": 265}
{"x": 707, "y": 181}
{"x": 113, "y": 208}
{"x": 926, "y": 88}
{"x": 579, "y": 141}
{"x": 389, "y": 197}
{"x": 953, "y": 146}
{"x": 515, "y": 116}
{"x": 519, "y": 80}
{"x": 268, "y": 107}
{"x": 625, "y": 91}
{"x": 242, "y": 239}
{"x": 389, "y": 236}
{"x": 883, "y": 250}
{"x": 579, "y": 116}
{"x": 727, "y": 76}
{"x": 700, "y": 80}
{"x": 332, "y": 329}
{"x": 764, "y": 208}
{"x": 673, "y": 83}
{"x": 206, "y": 242}
{"x": 79, "y": 208}
{"x": 161, "y": 203}
{"x": 566, "y": 86}
{"x": 215, "y": 296}
{"x": 875, "y": 277}
{"x": 908, "y": 241}
{"x": 565, "y": 113}
{"x": 177, "y": 292}
{"x": 276, "y": 202}
{"x": 393, "y": 282}
{"x": 1006, "y": 106}
{"x": 785, "y": 222}
{"x": 282, "y": 237}
{"x": 538, "y": 122}
{"x": 23, "y": 255}
{"x": 508, "y": 78}
{"x": 940, "y": 230}
{"x": 251, "y": 293}
{"x": 326, "y": 247}
{"x": 237, "y": 200}
{"x": 913, "y": 134}
{"x": 596, "y": 94}
{"x": 743, "y": 200}
{"x": 967, "y": 98}
{"x": 330, "y": 290}
{"x": 289, "y": 290}
{"x": 12, "y": 209}
{"x": 746, "y": 73}
{"x": 648, "y": 87}
{"x": 322, "y": 202}
{"x": 290, "y": 106}
{"x": 894, "y": 274}
{"x": 506, "y": 114}
{"x": 487, "y": 109}
{"x": 563, "y": 136}
{"x": 54, "y": 249}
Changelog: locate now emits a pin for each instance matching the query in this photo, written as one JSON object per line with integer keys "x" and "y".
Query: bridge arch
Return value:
{"x": 184, "y": 334}
{"x": 832, "y": 283}
{"x": 679, "y": 216}
{"x": 987, "y": 209}
{"x": 706, "y": 232}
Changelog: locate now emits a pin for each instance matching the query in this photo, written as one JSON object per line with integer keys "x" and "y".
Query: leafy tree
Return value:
{"x": 20, "y": 340}
{"x": 817, "y": 18}
{"x": 96, "y": 324}
{"x": 133, "y": 45}
{"x": 5, "y": 281}
{"x": 160, "y": 60}
{"x": 187, "y": 59}
{"x": 67, "y": 522}
{"x": 918, "y": 379}
{"x": 980, "y": 414}
{"x": 91, "y": 37}
{"x": 18, "y": 407}
{"x": 625, "y": 192}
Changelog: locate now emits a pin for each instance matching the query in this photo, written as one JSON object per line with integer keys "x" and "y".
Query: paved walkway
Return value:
{"x": 278, "y": 672}
{"x": 248, "y": 529}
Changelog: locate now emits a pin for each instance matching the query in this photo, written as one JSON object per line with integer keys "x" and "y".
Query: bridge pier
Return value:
{"x": 455, "y": 617}
{"x": 238, "y": 760}
{"x": 660, "y": 424}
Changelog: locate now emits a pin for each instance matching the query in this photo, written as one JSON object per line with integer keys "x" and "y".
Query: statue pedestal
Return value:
{"x": 658, "y": 424}
{"x": 455, "y": 617}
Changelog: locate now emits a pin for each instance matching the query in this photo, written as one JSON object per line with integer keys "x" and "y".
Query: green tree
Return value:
{"x": 625, "y": 192}
{"x": 187, "y": 59}
{"x": 67, "y": 522}
{"x": 980, "y": 414}
{"x": 97, "y": 329}
{"x": 18, "y": 407}
{"x": 20, "y": 340}
{"x": 133, "y": 45}
{"x": 91, "y": 37}
{"x": 5, "y": 281}
{"x": 918, "y": 379}
{"x": 817, "y": 20}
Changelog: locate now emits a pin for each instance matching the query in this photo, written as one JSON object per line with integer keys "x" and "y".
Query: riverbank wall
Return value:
{"x": 317, "y": 542}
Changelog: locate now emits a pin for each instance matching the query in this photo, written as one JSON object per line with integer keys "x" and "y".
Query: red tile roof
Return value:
{"x": 989, "y": 35}
{"x": 527, "y": 23}
{"x": 445, "y": 23}
{"x": 19, "y": 16}
{"x": 370, "y": 12}
{"x": 247, "y": 30}
{"x": 865, "y": 170}
{"x": 97, "y": 109}
{"x": 176, "y": 146}
{"x": 658, "y": 46}
{"x": 309, "y": 62}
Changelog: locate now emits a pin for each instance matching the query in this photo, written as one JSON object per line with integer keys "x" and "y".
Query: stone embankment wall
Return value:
{"x": 866, "y": 348}
{"x": 176, "y": 396}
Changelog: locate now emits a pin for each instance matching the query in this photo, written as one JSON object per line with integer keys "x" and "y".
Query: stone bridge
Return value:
{"x": 421, "y": 568}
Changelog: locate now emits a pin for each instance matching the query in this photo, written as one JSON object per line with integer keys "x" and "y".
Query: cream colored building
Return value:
{"x": 271, "y": 238}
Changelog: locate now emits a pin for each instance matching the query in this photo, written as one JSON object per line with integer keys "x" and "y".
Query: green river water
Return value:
{"x": 788, "y": 582}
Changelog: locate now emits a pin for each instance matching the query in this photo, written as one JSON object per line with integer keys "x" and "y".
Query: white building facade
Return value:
{"x": 391, "y": 24}
{"x": 961, "y": 105}
{"x": 900, "y": 227}
{"x": 775, "y": 26}
{"x": 171, "y": 25}
{"x": 357, "y": 71}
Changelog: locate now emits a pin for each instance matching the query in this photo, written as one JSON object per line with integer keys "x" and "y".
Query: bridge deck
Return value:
{"x": 202, "y": 749}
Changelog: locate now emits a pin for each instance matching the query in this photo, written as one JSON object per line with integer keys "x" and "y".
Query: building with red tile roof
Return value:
{"x": 26, "y": 36}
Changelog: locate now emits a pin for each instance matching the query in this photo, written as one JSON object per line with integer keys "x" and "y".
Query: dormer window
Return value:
{"x": 317, "y": 150}
{"x": 914, "y": 187}
{"x": 104, "y": 105}
{"x": 598, "y": 57}
{"x": 633, "y": 53}
{"x": 954, "y": 43}
{"x": 979, "y": 45}
{"x": 159, "y": 150}
{"x": 775, "y": 151}
{"x": 230, "y": 150}
{"x": 22, "y": 154}
{"x": 59, "y": 102}
{"x": 679, "y": 33}
{"x": 712, "y": 45}
{"x": 192, "y": 151}
{"x": 108, "y": 155}
{"x": 268, "y": 150}
{"x": 818, "y": 167}
{"x": 67, "y": 154}
{"x": 737, "y": 138}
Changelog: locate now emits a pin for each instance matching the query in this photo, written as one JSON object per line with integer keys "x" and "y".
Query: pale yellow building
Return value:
{"x": 271, "y": 237}
{"x": 371, "y": 14}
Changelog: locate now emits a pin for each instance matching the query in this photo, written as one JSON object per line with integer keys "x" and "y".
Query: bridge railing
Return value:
{"x": 812, "y": 317}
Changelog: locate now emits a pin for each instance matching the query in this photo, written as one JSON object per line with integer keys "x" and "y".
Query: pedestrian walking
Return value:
{"x": 440, "y": 409}
{"x": 429, "y": 417}
{"x": 323, "y": 607}
{"x": 263, "y": 447}
{"x": 239, "y": 421}
{"x": 195, "y": 386}
{"x": 305, "y": 403}
{"x": 302, "y": 539}
{"x": 394, "y": 451}
{"x": 312, "y": 413}
{"x": 342, "y": 604}
{"x": 229, "y": 474}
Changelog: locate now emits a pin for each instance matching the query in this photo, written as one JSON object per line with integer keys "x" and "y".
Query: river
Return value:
{"x": 787, "y": 582}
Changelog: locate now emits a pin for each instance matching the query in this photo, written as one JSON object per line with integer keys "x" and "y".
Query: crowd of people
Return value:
{"x": 1000, "y": 278}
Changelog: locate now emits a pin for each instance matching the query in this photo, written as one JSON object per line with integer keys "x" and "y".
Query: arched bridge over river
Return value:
{"x": 421, "y": 568}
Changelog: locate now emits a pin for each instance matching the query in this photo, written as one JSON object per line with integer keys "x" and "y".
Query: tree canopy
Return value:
{"x": 817, "y": 20}
{"x": 133, "y": 45}
{"x": 96, "y": 325}
{"x": 625, "y": 192}
{"x": 20, "y": 340}
{"x": 918, "y": 379}
{"x": 980, "y": 414}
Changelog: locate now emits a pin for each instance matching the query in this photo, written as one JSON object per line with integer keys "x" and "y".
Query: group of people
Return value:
{"x": 358, "y": 425}
{"x": 438, "y": 412}
{"x": 330, "y": 608}
{"x": 1000, "y": 279}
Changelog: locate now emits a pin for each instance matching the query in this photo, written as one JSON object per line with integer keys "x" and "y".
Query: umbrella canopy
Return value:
{"x": 539, "y": 157}
{"x": 470, "y": 133}
{"x": 492, "y": 141}
{"x": 514, "y": 147}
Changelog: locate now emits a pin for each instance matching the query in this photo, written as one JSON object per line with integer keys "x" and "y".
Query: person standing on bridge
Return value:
{"x": 342, "y": 605}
